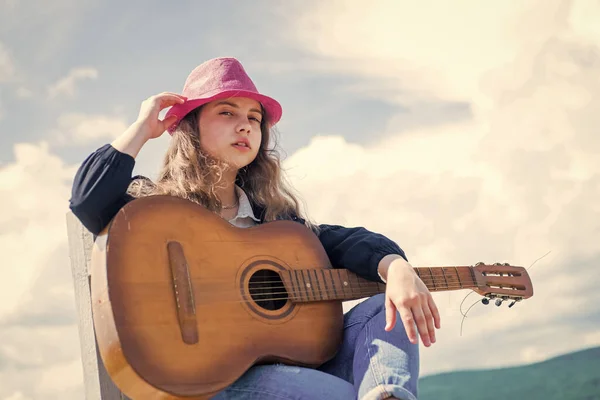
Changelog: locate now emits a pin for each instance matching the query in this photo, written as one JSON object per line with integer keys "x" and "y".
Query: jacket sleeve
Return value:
{"x": 100, "y": 186}
{"x": 357, "y": 249}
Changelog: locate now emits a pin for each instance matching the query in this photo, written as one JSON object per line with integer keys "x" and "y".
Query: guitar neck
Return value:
{"x": 341, "y": 284}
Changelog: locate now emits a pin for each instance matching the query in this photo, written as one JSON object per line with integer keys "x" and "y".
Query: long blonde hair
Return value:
{"x": 189, "y": 172}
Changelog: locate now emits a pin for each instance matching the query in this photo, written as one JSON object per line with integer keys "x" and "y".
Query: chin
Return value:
{"x": 237, "y": 163}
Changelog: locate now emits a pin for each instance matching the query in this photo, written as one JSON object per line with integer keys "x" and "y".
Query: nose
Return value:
{"x": 244, "y": 126}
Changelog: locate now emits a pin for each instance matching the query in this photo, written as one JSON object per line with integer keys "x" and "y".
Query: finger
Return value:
{"x": 169, "y": 100}
{"x": 435, "y": 312}
{"x": 167, "y": 122}
{"x": 390, "y": 314}
{"x": 421, "y": 324}
{"x": 165, "y": 99}
{"x": 170, "y": 95}
{"x": 409, "y": 324}
{"x": 429, "y": 322}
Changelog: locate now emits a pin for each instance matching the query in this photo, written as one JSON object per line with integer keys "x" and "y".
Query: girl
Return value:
{"x": 220, "y": 156}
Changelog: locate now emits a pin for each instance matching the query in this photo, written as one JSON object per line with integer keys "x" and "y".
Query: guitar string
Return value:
{"x": 464, "y": 276}
{"x": 434, "y": 280}
{"x": 306, "y": 297}
{"x": 433, "y": 283}
{"x": 333, "y": 290}
{"x": 364, "y": 289}
{"x": 368, "y": 286}
{"x": 309, "y": 290}
{"x": 296, "y": 283}
{"x": 310, "y": 297}
{"x": 423, "y": 278}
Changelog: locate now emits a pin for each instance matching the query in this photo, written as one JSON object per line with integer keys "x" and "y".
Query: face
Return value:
{"x": 230, "y": 130}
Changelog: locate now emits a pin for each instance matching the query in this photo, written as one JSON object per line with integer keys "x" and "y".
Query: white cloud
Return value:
{"x": 67, "y": 85}
{"x": 38, "y": 331}
{"x": 18, "y": 395}
{"x": 516, "y": 181}
{"x": 28, "y": 223}
{"x": 11, "y": 4}
{"x": 7, "y": 67}
{"x": 65, "y": 377}
{"x": 79, "y": 129}
{"x": 23, "y": 92}
{"x": 426, "y": 49}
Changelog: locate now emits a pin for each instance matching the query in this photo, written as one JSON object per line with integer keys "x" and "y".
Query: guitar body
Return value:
{"x": 175, "y": 305}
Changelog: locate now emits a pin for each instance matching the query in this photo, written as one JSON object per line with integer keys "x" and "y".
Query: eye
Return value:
{"x": 228, "y": 113}
{"x": 256, "y": 119}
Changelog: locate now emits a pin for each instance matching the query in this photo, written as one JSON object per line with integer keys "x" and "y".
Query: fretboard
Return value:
{"x": 340, "y": 284}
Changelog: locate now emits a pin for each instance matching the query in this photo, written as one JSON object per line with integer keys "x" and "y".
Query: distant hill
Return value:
{"x": 573, "y": 376}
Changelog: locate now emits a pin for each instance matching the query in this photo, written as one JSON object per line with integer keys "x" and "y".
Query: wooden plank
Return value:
{"x": 98, "y": 384}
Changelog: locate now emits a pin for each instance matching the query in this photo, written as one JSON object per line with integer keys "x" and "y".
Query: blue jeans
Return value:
{"x": 371, "y": 364}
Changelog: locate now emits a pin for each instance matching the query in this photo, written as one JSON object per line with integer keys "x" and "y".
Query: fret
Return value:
{"x": 343, "y": 274}
{"x": 457, "y": 277}
{"x": 301, "y": 286}
{"x": 308, "y": 284}
{"x": 295, "y": 293}
{"x": 320, "y": 287}
{"x": 445, "y": 280}
{"x": 438, "y": 278}
{"x": 354, "y": 285}
{"x": 327, "y": 293}
{"x": 333, "y": 289}
{"x": 451, "y": 278}
{"x": 472, "y": 274}
{"x": 465, "y": 277}
{"x": 429, "y": 278}
{"x": 340, "y": 284}
{"x": 434, "y": 288}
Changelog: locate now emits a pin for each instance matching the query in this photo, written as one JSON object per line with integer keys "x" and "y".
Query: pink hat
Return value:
{"x": 221, "y": 78}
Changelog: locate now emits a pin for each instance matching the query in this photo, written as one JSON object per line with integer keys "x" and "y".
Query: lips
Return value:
{"x": 241, "y": 144}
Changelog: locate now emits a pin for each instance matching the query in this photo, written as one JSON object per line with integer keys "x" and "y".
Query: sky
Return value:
{"x": 464, "y": 132}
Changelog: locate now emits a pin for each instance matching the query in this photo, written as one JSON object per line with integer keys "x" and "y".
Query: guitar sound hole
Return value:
{"x": 267, "y": 290}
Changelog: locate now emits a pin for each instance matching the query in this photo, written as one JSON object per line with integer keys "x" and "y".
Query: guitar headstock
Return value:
{"x": 502, "y": 281}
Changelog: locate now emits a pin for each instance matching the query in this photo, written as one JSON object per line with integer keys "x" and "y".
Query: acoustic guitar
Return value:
{"x": 184, "y": 303}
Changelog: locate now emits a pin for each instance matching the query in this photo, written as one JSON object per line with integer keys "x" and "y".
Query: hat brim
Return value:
{"x": 271, "y": 106}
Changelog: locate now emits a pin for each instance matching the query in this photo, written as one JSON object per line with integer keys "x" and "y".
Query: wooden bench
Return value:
{"x": 97, "y": 383}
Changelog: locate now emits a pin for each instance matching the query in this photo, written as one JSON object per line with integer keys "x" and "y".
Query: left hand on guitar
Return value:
{"x": 407, "y": 294}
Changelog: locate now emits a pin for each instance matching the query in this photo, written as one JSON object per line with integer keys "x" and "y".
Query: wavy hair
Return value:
{"x": 191, "y": 173}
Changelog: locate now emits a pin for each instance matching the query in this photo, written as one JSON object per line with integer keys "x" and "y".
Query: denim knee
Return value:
{"x": 365, "y": 310}
{"x": 282, "y": 382}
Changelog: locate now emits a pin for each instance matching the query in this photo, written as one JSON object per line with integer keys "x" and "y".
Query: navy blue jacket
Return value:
{"x": 99, "y": 192}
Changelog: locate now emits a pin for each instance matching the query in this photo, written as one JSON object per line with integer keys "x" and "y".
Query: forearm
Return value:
{"x": 131, "y": 141}
{"x": 358, "y": 249}
{"x": 99, "y": 187}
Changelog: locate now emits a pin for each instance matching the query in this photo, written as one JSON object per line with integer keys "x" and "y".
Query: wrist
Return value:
{"x": 389, "y": 261}
{"x": 139, "y": 131}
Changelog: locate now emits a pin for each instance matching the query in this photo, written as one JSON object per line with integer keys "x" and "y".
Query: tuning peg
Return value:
{"x": 485, "y": 301}
{"x": 512, "y": 304}
{"x": 499, "y": 302}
